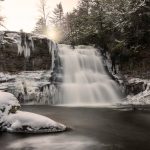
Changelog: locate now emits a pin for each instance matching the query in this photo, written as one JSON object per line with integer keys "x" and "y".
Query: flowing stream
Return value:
{"x": 92, "y": 129}
{"x": 85, "y": 81}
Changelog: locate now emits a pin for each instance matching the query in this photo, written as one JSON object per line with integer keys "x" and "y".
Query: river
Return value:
{"x": 90, "y": 129}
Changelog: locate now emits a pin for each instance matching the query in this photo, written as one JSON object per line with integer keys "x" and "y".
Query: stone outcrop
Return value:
{"x": 135, "y": 88}
{"x": 28, "y": 66}
{"x": 12, "y": 59}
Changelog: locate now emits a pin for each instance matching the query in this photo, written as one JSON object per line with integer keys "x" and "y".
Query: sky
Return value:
{"x": 23, "y": 14}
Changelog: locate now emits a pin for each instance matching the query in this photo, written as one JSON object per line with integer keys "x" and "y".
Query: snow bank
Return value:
{"x": 142, "y": 98}
{"x": 12, "y": 120}
{"x": 31, "y": 123}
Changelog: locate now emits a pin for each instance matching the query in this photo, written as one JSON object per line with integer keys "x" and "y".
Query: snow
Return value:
{"x": 143, "y": 98}
{"x": 29, "y": 84}
{"x": 30, "y": 81}
{"x": 33, "y": 122}
{"x": 13, "y": 120}
{"x": 19, "y": 121}
{"x": 27, "y": 51}
{"x": 6, "y": 77}
{"x": 7, "y": 101}
{"x": 15, "y": 37}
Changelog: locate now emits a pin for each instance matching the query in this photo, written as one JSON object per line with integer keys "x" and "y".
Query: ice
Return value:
{"x": 28, "y": 44}
{"x": 27, "y": 84}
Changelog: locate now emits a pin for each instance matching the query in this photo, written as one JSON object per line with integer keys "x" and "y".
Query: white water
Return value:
{"x": 85, "y": 80}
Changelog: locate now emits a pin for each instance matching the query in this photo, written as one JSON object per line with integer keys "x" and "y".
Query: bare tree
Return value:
{"x": 2, "y": 20}
{"x": 44, "y": 11}
{"x": 44, "y": 14}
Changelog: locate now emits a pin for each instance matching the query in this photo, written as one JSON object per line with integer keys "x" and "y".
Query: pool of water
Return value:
{"x": 91, "y": 129}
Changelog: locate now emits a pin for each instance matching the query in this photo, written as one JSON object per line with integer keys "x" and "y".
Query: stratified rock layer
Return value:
{"x": 36, "y": 55}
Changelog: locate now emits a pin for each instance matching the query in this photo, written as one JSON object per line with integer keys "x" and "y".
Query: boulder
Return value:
{"x": 13, "y": 120}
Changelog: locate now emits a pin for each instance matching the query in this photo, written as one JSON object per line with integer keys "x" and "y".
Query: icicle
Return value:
{"x": 50, "y": 43}
{"x": 54, "y": 46}
{"x": 26, "y": 50}
{"x": 20, "y": 48}
{"x": 53, "y": 59}
{"x": 32, "y": 43}
{"x": 51, "y": 51}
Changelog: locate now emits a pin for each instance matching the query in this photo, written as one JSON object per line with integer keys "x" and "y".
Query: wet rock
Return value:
{"x": 135, "y": 88}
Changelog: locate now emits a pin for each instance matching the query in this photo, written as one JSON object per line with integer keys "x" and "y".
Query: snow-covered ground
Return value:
{"x": 13, "y": 120}
{"x": 141, "y": 98}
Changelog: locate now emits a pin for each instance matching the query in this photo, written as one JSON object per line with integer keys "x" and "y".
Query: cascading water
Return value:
{"x": 85, "y": 80}
{"x": 77, "y": 77}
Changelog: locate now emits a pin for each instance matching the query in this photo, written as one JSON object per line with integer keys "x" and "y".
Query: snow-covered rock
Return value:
{"x": 29, "y": 86}
{"x": 143, "y": 96}
{"x": 26, "y": 52}
{"x": 12, "y": 120}
{"x": 31, "y": 123}
{"x": 8, "y": 104}
{"x": 135, "y": 91}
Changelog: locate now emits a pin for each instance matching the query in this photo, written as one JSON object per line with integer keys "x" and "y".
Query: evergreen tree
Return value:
{"x": 58, "y": 15}
{"x": 58, "y": 22}
{"x": 137, "y": 31}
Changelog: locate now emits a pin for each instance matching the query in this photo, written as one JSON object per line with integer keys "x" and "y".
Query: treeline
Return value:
{"x": 121, "y": 27}
{"x": 104, "y": 22}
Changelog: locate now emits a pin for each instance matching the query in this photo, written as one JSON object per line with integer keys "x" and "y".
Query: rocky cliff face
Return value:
{"x": 24, "y": 53}
{"x": 27, "y": 66}
{"x": 135, "y": 90}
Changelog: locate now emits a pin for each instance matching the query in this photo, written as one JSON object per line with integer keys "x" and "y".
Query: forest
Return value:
{"x": 119, "y": 27}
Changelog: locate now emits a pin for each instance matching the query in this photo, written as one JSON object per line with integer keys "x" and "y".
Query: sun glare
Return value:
{"x": 54, "y": 34}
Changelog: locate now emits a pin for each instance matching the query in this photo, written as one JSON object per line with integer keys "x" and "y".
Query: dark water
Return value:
{"x": 92, "y": 129}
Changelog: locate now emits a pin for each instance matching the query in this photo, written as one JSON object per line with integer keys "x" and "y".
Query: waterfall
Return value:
{"x": 85, "y": 80}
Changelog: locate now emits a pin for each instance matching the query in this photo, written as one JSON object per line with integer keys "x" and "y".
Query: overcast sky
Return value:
{"x": 22, "y": 14}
